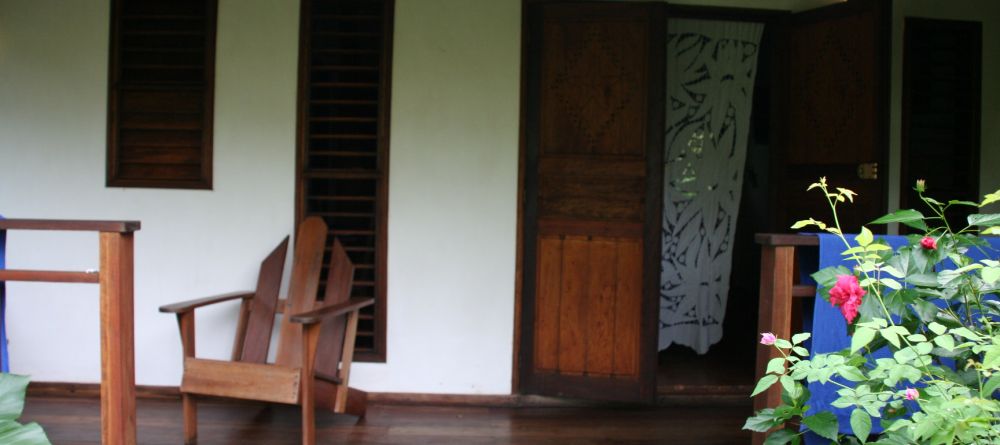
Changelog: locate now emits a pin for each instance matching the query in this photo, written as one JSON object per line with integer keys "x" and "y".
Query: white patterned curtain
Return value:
{"x": 711, "y": 67}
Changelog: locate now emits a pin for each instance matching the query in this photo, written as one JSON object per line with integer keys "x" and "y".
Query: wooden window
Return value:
{"x": 343, "y": 145}
{"x": 161, "y": 77}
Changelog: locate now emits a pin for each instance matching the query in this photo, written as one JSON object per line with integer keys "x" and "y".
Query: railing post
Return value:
{"x": 117, "y": 339}
{"x": 777, "y": 267}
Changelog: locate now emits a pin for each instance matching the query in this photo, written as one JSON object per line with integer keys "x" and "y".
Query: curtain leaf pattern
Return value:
{"x": 711, "y": 67}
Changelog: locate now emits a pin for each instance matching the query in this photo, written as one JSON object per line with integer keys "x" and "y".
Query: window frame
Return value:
{"x": 119, "y": 84}
{"x": 376, "y": 352}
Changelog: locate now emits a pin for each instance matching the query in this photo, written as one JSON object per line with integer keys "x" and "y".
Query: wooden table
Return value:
{"x": 779, "y": 311}
{"x": 117, "y": 314}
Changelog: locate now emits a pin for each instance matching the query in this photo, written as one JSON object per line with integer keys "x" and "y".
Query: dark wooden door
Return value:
{"x": 838, "y": 110}
{"x": 594, "y": 143}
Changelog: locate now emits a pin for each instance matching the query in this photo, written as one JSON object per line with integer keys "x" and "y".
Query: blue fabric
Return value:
{"x": 4, "y": 362}
{"x": 829, "y": 334}
{"x": 829, "y": 331}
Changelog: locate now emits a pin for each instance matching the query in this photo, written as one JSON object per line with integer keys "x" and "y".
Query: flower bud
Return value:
{"x": 767, "y": 338}
{"x": 928, "y": 243}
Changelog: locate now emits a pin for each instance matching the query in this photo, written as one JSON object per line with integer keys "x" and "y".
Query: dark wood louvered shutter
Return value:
{"x": 942, "y": 81}
{"x": 343, "y": 142}
{"x": 161, "y": 79}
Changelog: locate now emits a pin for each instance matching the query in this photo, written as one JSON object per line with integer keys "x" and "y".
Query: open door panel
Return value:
{"x": 838, "y": 60}
{"x": 593, "y": 172}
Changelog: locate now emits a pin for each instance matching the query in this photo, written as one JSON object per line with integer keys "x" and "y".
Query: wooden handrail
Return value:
{"x": 49, "y": 276}
{"x": 117, "y": 314}
{"x": 786, "y": 239}
{"x": 70, "y": 225}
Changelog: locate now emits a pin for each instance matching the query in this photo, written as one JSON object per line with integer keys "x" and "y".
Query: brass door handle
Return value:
{"x": 868, "y": 170}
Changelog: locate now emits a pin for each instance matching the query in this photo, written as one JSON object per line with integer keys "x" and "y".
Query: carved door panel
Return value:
{"x": 592, "y": 191}
{"x": 838, "y": 111}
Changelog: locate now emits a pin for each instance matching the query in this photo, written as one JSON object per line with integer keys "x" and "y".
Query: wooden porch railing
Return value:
{"x": 117, "y": 314}
{"x": 780, "y": 296}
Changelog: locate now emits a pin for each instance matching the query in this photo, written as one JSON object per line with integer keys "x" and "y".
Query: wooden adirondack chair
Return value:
{"x": 316, "y": 342}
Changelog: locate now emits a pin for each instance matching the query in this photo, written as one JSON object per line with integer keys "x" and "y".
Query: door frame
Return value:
{"x": 522, "y": 349}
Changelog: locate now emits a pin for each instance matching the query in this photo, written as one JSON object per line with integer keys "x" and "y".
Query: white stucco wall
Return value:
{"x": 453, "y": 184}
{"x": 452, "y": 202}
{"x": 53, "y": 95}
{"x": 452, "y": 198}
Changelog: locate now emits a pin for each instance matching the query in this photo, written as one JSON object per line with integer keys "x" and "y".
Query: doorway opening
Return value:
{"x": 727, "y": 369}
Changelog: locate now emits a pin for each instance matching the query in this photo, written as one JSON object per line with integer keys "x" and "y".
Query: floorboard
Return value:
{"x": 76, "y": 421}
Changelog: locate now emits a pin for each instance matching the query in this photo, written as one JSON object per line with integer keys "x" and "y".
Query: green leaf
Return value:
{"x": 890, "y": 283}
{"x": 861, "y": 423}
{"x": 781, "y": 437}
{"x": 937, "y": 328}
{"x": 788, "y": 384}
{"x": 908, "y": 217}
{"x": 992, "y": 230}
{"x": 990, "y": 198}
{"x": 991, "y": 385}
{"x": 776, "y": 365}
{"x": 862, "y": 336}
{"x": 962, "y": 203}
{"x": 851, "y": 373}
{"x": 865, "y": 237}
{"x": 782, "y": 343}
{"x": 14, "y": 433}
{"x": 945, "y": 342}
{"x": 991, "y": 274}
{"x": 992, "y": 357}
{"x": 849, "y": 194}
{"x": 802, "y": 223}
{"x": 827, "y": 276}
{"x": 923, "y": 279}
{"x": 764, "y": 383}
{"x": 984, "y": 219}
{"x": 762, "y": 422}
{"x": 808, "y": 222}
{"x": 965, "y": 333}
{"x": 892, "y": 270}
{"x": 801, "y": 351}
{"x": 12, "y": 388}
{"x": 800, "y": 337}
{"x": 890, "y": 336}
{"x": 823, "y": 424}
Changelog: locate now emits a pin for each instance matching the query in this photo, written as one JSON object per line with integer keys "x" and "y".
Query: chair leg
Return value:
{"x": 310, "y": 339}
{"x": 357, "y": 402}
{"x": 308, "y": 424}
{"x": 190, "y": 419}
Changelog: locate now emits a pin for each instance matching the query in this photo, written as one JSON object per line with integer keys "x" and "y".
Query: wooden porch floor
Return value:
{"x": 76, "y": 420}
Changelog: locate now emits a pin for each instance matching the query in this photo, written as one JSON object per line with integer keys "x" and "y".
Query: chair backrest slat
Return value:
{"x": 303, "y": 286}
{"x": 338, "y": 289}
{"x": 260, "y": 321}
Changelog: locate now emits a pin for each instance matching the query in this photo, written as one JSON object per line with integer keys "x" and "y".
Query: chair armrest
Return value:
{"x": 187, "y": 306}
{"x": 317, "y": 315}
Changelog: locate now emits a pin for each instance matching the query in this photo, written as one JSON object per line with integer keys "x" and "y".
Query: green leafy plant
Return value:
{"x": 929, "y": 303}
{"x": 12, "y": 390}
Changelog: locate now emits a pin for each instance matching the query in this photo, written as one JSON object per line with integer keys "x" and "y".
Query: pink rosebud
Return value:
{"x": 847, "y": 294}
{"x": 928, "y": 243}
{"x": 767, "y": 338}
{"x": 911, "y": 394}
